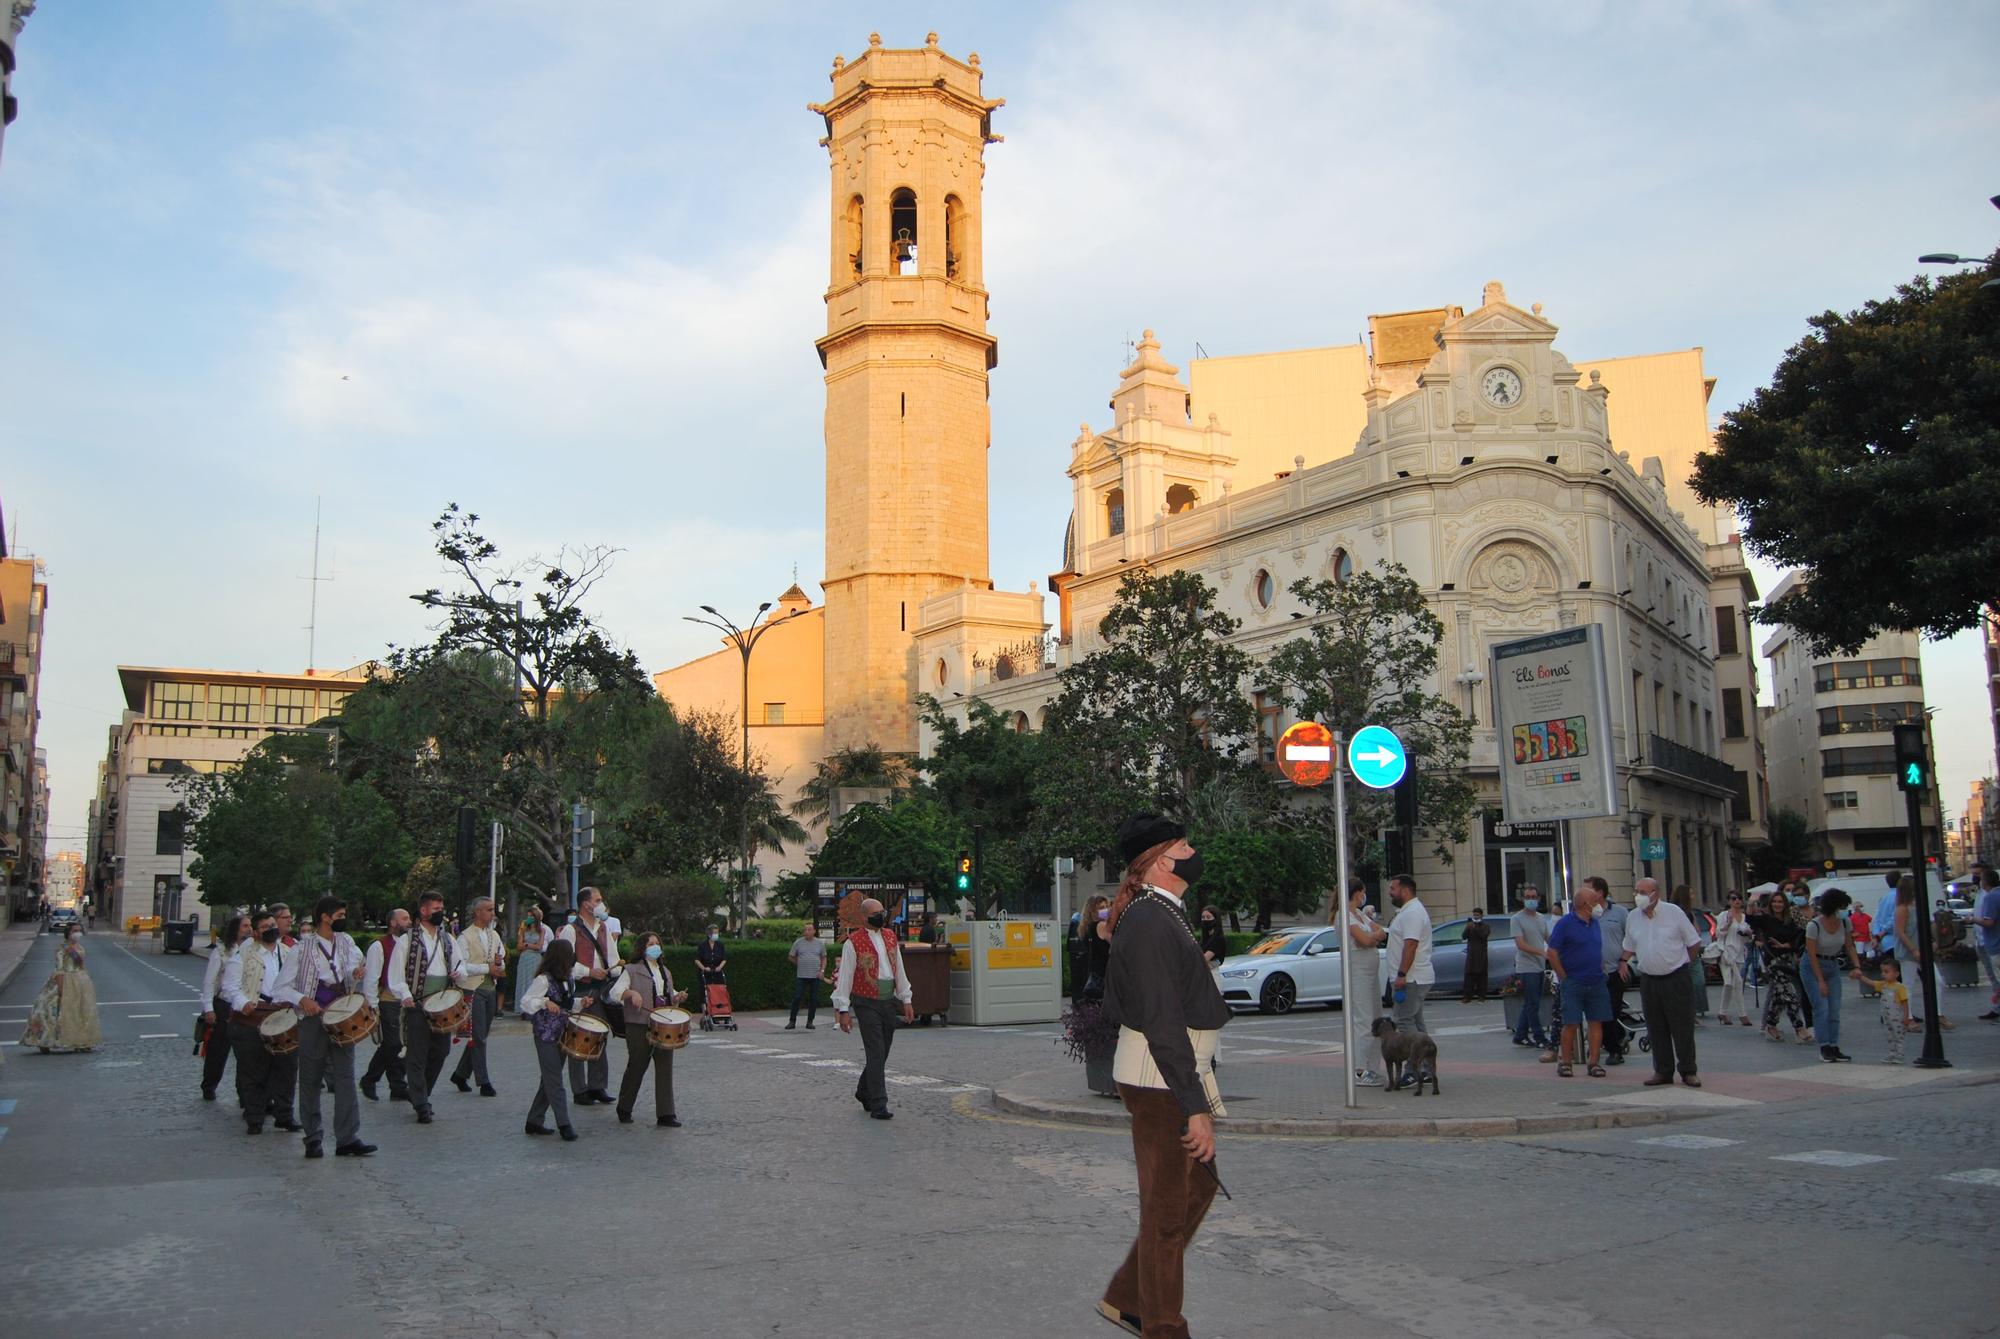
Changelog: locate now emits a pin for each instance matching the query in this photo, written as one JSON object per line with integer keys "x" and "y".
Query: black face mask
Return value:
{"x": 340, "y": 924}
{"x": 1188, "y": 868}
{"x": 878, "y": 920}
{"x": 270, "y": 936}
{"x": 436, "y": 918}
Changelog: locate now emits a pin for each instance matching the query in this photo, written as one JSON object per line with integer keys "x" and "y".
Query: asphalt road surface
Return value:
{"x": 130, "y": 1207}
{"x": 141, "y": 996}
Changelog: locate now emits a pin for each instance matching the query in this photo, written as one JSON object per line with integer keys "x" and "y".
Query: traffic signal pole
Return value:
{"x": 1913, "y": 776}
{"x": 1342, "y": 899}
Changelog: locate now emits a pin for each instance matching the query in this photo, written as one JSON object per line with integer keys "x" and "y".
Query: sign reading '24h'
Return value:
{"x": 1552, "y": 714}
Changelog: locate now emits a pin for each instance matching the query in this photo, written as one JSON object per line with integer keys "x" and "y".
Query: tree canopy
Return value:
{"x": 1871, "y": 463}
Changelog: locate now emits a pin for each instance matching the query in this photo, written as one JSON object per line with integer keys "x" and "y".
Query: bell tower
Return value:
{"x": 906, "y": 355}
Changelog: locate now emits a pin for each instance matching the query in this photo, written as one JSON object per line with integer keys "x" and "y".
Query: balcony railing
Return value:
{"x": 1693, "y": 764}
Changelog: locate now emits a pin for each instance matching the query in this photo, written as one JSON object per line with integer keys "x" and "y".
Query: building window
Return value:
{"x": 1266, "y": 589}
{"x": 288, "y": 706}
{"x": 943, "y": 674}
{"x": 1732, "y": 713}
{"x": 1739, "y": 799}
{"x": 1725, "y": 630}
{"x": 1267, "y": 727}
{"x": 774, "y": 713}
{"x": 903, "y": 231}
{"x": 1343, "y": 566}
{"x": 1114, "y": 512}
{"x": 1884, "y": 839}
{"x": 231, "y": 703}
{"x": 1021, "y": 723}
{"x": 1868, "y": 717}
{"x": 167, "y": 831}
{"x": 954, "y": 235}
{"x": 1868, "y": 760}
{"x": 177, "y": 701}
{"x": 1891, "y": 672}
{"x": 1843, "y": 799}
{"x": 331, "y": 702}
{"x": 1180, "y": 498}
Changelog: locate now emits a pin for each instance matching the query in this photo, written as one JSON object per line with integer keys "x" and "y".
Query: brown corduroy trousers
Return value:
{"x": 1174, "y": 1195}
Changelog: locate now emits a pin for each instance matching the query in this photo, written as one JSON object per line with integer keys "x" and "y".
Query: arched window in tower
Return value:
{"x": 954, "y": 235}
{"x": 1114, "y": 512}
{"x": 1342, "y": 567}
{"x": 903, "y": 231}
{"x": 856, "y": 233}
{"x": 1180, "y": 498}
{"x": 1020, "y": 722}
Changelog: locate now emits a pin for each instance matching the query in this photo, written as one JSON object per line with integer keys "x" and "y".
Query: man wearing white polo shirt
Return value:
{"x": 1661, "y": 943}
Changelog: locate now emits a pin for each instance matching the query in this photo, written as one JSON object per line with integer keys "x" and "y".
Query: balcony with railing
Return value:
{"x": 13, "y": 664}
{"x": 1679, "y": 759}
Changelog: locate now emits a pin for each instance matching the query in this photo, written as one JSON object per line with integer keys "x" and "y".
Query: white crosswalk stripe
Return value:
{"x": 1832, "y": 1157}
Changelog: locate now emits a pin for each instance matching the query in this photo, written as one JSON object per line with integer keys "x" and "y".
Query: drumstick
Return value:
{"x": 1209, "y": 1167}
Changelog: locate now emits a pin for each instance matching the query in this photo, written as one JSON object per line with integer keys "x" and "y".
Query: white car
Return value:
{"x": 1284, "y": 969}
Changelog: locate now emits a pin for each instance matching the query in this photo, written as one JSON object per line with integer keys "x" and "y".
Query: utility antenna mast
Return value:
{"x": 312, "y": 608}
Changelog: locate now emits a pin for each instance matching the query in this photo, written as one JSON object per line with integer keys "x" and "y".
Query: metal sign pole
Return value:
{"x": 1346, "y": 939}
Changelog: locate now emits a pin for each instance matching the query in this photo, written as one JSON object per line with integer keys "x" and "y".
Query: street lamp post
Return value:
{"x": 745, "y": 641}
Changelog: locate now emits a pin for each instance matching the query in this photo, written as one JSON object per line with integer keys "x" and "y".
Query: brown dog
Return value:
{"x": 1409, "y": 1056}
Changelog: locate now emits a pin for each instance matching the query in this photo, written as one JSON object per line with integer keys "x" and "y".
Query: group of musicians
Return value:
{"x": 292, "y": 1013}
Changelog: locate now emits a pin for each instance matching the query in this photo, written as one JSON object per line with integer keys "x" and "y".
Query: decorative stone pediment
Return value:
{"x": 1513, "y": 572}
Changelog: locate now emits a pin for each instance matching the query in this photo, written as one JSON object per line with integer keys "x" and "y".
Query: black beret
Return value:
{"x": 1142, "y": 832}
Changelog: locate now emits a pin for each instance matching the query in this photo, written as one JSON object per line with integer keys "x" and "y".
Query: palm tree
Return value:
{"x": 864, "y": 765}
{"x": 770, "y": 826}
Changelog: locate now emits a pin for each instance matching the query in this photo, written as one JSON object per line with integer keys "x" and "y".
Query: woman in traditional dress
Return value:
{"x": 529, "y": 945}
{"x": 65, "y": 1014}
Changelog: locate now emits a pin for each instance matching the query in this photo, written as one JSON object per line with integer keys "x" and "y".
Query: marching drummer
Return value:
{"x": 595, "y": 944}
{"x": 547, "y": 1002}
{"x": 255, "y": 985}
{"x": 423, "y": 964}
{"x": 330, "y": 966}
{"x": 644, "y": 985}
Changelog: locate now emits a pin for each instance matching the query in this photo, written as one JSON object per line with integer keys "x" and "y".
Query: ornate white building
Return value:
{"x": 1485, "y": 464}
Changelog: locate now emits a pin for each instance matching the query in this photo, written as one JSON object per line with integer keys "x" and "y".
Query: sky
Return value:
{"x": 564, "y": 265}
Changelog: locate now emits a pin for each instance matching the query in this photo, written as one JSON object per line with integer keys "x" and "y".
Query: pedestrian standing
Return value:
{"x": 1895, "y": 1004}
{"x": 1576, "y": 956}
{"x": 530, "y": 944}
{"x": 424, "y": 963}
{"x": 711, "y": 963}
{"x": 330, "y": 966}
{"x": 388, "y": 1057}
{"x": 1611, "y": 917}
{"x": 1477, "y": 932}
{"x": 483, "y": 962}
{"x": 1827, "y": 940}
{"x": 1169, "y": 1017}
{"x": 1885, "y": 918}
{"x": 644, "y": 985}
{"x": 1781, "y": 940}
{"x": 1214, "y": 947}
{"x": 1909, "y": 958}
{"x": 1986, "y": 916}
{"x": 65, "y": 1012}
{"x": 1661, "y": 944}
{"x": 1531, "y": 960}
{"x": 808, "y": 955}
{"x": 255, "y": 985}
{"x": 1409, "y": 949}
{"x": 868, "y": 989}
{"x": 1364, "y": 979}
{"x": 215, "y": 1009}
{"x": 1095, "y": 950}
{"x": 547, "y": 1003}
{"x": 1732, "y": 931}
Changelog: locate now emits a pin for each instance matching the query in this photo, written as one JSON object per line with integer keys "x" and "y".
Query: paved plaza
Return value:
{"x": 129, "y": 1207}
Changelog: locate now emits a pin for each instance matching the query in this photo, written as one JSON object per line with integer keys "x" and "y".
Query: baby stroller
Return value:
{"x": 715, "y": 1011}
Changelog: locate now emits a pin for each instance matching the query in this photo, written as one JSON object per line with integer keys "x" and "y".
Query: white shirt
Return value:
{"x": 536, "y": 995}
{"x": 1733, "y": 929}
{"x": 606, "y": 943}
{"x": 315, "y": 968}
{"x": 371, "y": 968}
{"x": 478, "y": 947}
{"x": 275, "y": 988}
{"x": 1412, "y": 922}
{"x": 843, "y": 985}
{"x": 211, "y": 977}
{"x": 1659, "y": 943}
{"x": 430, "y": 953}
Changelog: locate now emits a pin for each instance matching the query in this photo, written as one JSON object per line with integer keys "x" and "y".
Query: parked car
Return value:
{"x": 1285, "y": 969}
{"x": 63, "y": 918}
{"x": 1448, "y": 954}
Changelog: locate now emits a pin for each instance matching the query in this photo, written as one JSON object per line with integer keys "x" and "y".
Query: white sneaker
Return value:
{"x": 1368, "y": 1078}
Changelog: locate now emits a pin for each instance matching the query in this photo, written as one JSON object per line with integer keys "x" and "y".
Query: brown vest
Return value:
{"x": 642, "y": 982}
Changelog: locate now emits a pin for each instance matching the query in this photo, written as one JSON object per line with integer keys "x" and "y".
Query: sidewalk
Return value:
{"x": 1491, "y": 1087}
{"x": 17, "y": 944}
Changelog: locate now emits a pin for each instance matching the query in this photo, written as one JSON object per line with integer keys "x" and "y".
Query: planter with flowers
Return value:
{"x": 1089, "y": 1035}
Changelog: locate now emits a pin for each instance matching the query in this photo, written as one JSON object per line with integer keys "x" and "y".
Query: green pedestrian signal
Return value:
{"x": 1913, "y": 776}
{"x": 1913, "y": 764}
{"x": 964, "y": 879}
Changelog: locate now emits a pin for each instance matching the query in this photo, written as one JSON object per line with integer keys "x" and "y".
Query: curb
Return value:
{"x": 1384, "y": 1127}
{"x": 7, "y": 977}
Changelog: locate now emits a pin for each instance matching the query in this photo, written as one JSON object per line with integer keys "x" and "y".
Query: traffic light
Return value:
{"x": 584, "y": 820}
{"x": 1913, "y": 766}
{"x": 466, "y": 849}
{"x": 963, "y": 880}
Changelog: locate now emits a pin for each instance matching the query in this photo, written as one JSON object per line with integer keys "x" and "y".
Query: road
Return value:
{"x": 780, "y": 1210}
{"x": 141, "y": 996}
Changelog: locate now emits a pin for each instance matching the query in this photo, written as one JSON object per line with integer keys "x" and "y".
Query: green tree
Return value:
{"x": 1148, "y": 718}
{"x": 678, "y": 906}
{"x": 1871, "y": 462}
{"x": 913, "y": 839}
{"x": 861, "y": 767}
{"x": 1368, "y": 655}
{"x": 986, "y": 773}
{"x": 1788, "y": 845}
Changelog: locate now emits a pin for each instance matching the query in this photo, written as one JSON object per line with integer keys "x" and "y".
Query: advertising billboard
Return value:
{"x": 1552, "y": 715}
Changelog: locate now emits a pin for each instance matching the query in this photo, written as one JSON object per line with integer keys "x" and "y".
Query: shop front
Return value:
{"x": 1519, "y": 855}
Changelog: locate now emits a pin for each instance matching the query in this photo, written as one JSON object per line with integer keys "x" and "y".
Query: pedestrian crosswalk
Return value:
{"x": 923, "y": 1083}
{"x": 1841, "y": 1159}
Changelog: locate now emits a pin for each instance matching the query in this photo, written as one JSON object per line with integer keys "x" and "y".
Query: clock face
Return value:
{"x": 1501, "y": 386}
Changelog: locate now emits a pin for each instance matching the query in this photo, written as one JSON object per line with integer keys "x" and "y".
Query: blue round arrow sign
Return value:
{"x": 1376, "y": 757}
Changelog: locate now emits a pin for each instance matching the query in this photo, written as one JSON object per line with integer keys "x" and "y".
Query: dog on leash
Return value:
{"x": 1409, "y": 1056}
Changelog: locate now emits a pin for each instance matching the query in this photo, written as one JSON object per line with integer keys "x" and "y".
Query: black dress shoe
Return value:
{"x": 488, "y": 1090}
{"x": 402, "y": 1096}
{"x": 809, "y": 1027}
{"x": 208, "y": 1094}
{"x": 313, "y": 1150}
{"x": 368, "y": 1091}
{"x": 539, "y": 1129}
{"x": 883, "y": 1113}
{"x": 793, "y": 1024}
{"x": 357, "y": 1149}
{"x": 569, "y": 1134}
{"x": 624, "y": 1117}
{"x": 423, "y": 1118}
{"x": 289, "y": 1126}
{"x": 671, "y": 1122}
{"x": 604, "y": 1099}
{"x": 253, "y": 1127}
{"x": 460, "y": 1084}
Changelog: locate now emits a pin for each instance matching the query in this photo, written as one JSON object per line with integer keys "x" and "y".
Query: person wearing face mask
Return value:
{"x": 1531, "y": 960}
{"x": 529, "y": 946}
{"x": 1364, "y": 979}
{"x": 425, "y": 961}
{"x": 1477, "y": 933}
{"x": 642, "y": 986}
{"x": 1170, "y": 1017}
{"x": 596, "y": 948}
{"x": 330, "y": 965}
{"x": 256, "y": 982}
{"x": 711, "y": 962}
{"x": 1576, "y": 956}
{"x": 870, "y": 976}
{"x": 388, "y": 1057}
{"x": 1661, "y": 943}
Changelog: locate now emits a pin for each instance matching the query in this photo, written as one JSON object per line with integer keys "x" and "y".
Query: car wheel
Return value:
{"x": 1279, "y": 995}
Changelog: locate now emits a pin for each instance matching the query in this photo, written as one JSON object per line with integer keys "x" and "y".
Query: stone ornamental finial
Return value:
{"x": 839, "y": 63}
{"x": 874, "y": 39}
{"x": 1536, "y": 309}
{"x": 1298, "y": 462}
{"x": 18, "y": 15}
{"x": 930, "y": 39}
{"x": 1595, "y": 376}
{"x": 972, "y": 59}
{"x": 1495, "y": 292}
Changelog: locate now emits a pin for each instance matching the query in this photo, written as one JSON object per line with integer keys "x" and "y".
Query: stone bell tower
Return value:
{"x": 906, "y": 355}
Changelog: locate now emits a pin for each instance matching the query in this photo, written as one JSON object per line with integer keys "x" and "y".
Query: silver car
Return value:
{"x": 1284, "y": 969}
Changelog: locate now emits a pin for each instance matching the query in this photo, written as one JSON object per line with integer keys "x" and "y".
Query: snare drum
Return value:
{"x": 279, "y": 1031}
{"x": 349, "y": 1019}
{"x": 668, "y": 1029}
{"x": 585, "y": 1037}
{"x": 447, "y": 1009}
